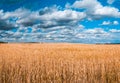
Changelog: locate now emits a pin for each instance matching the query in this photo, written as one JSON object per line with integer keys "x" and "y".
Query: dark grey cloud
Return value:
{"x": 97, "y": 35}
{"x": 68, "y": 18}
{"x": 6, "y": 23}
{"x": 55, "y": 24}
{"x": 52, "y": 17}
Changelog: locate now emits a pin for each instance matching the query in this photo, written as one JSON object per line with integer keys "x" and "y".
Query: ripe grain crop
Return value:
{"x": 59, "y": 63}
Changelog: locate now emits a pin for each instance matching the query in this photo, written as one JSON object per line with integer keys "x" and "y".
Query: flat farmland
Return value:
{"x": 59, "y": 63}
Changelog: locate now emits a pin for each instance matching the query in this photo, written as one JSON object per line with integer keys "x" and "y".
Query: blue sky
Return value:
{"x": 75, "y": 21}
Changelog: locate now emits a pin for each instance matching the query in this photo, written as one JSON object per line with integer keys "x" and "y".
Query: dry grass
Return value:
{"x": 59, "y": 63}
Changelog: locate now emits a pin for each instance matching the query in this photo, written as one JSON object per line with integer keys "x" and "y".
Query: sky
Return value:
{"x": 74, "y": 21}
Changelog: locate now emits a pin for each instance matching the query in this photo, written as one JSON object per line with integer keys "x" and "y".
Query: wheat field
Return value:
{"x": 59, "y": 63}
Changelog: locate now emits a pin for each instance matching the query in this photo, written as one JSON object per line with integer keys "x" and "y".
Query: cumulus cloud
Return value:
{"x": 110, "y": 23}
{"x": 99, "y": 35}
{"x": 56, "y": 34}
{"x": 95, "y": 10}
{"x": 95, "y": 31}
{"x": 45, "y": 24}
{"x": 17, "y": 18}
{"x": 116, "y": 23}
{"x": 56, "y": 24}
{"x": 106, "y": 23}
{"x": 6, "y": 23}
{"x": 45, "y": 18}
{"x": 114, "y": 31}
{"x": 61, "y": 18}
{"x": 49, "y": 17}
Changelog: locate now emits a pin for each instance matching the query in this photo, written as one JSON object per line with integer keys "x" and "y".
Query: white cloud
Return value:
{"x": 88, "y": 4}
{"x": 106, "y": 23}
{"x": 114, "y": 31}
{"x": 115, "y": 22}
{"x": 44, "y": 18}
{"x": 95, "y": 35}
{"x": 64, "y": 15}
{"x": 5, "y": 23}
{"x": 96, "y": 10}
{"x": 46, "y": 24}
{"x": 110, "y": 23}
{"x": 61, "y": 18}
{"x": 20, "y": 13}
{"x": 95, "y": 31}
{"x": 54, "y": 24}
{"x": 107, "y": 11}
{"x": 110, "y": 1}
